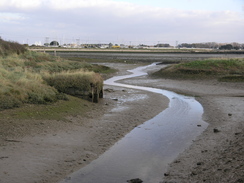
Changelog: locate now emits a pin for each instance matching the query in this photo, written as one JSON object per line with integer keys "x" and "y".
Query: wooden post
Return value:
{"x": 96, "y": 95}
{"x": 101, "y": 93}
{"x": 92, "y": 92}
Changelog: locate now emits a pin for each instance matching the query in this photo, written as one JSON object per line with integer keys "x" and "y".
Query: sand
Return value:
{"x": 48, "y": 151}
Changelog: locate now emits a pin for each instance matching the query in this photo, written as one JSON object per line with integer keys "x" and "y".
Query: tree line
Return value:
{"x": 213, "y": 45}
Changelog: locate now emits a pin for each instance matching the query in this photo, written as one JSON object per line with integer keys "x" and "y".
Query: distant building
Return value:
{"x": 54, "y": 44}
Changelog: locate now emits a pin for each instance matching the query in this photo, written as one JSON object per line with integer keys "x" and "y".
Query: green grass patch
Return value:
{"x": 228, "y": 69}
{"x": 56, "y": 111}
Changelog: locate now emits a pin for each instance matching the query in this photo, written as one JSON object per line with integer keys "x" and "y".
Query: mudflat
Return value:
{"x": 216, "y": 156}
{"x": 48, "y": 150}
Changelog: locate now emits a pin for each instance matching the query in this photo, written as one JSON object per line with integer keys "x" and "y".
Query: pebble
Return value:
{"x": 215, "y": 130}
{"x": 137, "y": 180}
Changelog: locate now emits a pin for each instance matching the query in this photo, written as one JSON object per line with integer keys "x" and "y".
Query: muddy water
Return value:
{"x": 148, "y": 149}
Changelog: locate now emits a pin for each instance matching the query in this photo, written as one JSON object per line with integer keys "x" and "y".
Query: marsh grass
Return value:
{"x": 77, "y": 83}
{"x": 207, "y": 69}
{"x": 32, "y": 77}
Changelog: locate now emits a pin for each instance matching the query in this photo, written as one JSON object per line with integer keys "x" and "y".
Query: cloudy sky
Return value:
{"x": 122, "y": 21}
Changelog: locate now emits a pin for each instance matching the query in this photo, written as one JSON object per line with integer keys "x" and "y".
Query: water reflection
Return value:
{"x": 148, "y": 149}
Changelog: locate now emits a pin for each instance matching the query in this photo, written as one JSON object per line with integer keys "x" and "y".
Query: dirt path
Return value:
{"x": 61, "y": 147}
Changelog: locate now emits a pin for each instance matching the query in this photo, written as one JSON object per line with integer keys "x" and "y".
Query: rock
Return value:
{"x": 177, "y": 161}
{"x": 109, "y": 90}
{"x": 200, "y": 163}
{"x": 215, "y": 130}
{"x": 137, "y": 180}
{"x": 229, "y": 114}
{"x": 166, "y": 174}
{"x": 204, "y": 151}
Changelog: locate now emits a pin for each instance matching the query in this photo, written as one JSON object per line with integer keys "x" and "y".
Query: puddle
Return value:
{"x": 148, "y": 149}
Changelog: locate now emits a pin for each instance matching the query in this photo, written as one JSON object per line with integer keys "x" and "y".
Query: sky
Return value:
{"x": 122, "y": 21}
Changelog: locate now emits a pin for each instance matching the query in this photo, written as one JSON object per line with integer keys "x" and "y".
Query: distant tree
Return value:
{"x": 185, "y": 45}
{"x": 110, "y": 45}
{"x": 162, "y": 45}
{"x": 226, "y": 47}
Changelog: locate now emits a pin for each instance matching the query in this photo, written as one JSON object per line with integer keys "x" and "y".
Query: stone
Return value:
{"x": 166, "y": 174}
{"x": 215, "y": 130}
{"x": 137, "y": 180}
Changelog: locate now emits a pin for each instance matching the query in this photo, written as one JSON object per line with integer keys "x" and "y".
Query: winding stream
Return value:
{"x": 147, "y": 150}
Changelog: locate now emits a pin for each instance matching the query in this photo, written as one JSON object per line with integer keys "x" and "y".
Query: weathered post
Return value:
{"x": 101, "y": 93}
{"x": 96, "y": 95}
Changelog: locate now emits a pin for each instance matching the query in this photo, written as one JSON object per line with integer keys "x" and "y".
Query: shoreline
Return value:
{"x": 65, "y": 146}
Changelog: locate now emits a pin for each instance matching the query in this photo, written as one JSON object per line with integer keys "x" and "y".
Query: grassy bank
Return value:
{"x": 222, "y": 69}
{"x": 26, "y": 76}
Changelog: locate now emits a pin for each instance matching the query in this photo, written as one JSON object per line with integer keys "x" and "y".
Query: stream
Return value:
{"x": 147, "y": 150}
